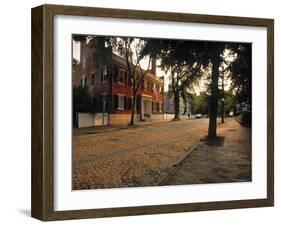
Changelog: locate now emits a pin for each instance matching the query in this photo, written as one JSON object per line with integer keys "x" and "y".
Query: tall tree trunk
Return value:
{"x": 132, "y": 121}
{"x": 176, "y": 105}
{"x": 222, "y": 111}
{"x": 212, "y": 132}
{"x": 222, "y": 99}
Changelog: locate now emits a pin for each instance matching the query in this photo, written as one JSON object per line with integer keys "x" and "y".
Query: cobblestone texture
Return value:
{"x": 132, "y": 157}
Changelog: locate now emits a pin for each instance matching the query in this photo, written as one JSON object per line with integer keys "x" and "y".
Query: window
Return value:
{"x": 83, "y": 81}
{"x": 145, "y": 85}
{"x": 121, "y": 76}
{"x": 157, "y": 107}
{"x": 130, "y": 79}
{"x": 154, "y": 107}
{"x": 157, "y": 87}
{"x": 120, "y": 102}
{"x": 92, "y": 79}
{"x": 153, "y": 87}
{"x": 103, "y": 74}
{"x": 104, "y": 101}
{"x": 161, "y": 90}
{"x": 115, "y": 74}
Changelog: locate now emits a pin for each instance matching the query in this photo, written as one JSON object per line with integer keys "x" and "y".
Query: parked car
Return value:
{"x": 198, "y": 116}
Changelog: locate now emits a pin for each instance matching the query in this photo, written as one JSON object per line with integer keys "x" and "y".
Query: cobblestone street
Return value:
{"x": 159, "y": 155}
{"x": 134, "y": 156}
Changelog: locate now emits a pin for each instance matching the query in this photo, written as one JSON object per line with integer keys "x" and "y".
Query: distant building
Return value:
{"x": 108, "y": 81}
{"x": 169, "y": 105}
{"x": 243, "y": 107}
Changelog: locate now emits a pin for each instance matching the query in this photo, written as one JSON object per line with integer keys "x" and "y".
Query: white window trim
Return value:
{"x": 104, "y": 73}
{"x": 160, "y": 107}
{"x": 155, "y": 107}
{"x": 120, "y": 70}
{"x": 93, "y": 72}
{"x": 121, "y": 108}
{"x": 83, "y": 83}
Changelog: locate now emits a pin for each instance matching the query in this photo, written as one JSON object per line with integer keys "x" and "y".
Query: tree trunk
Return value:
{"x": 212, "y": 132}
{"x": 176, "y": 105}
{"x": 222, "y": 99}
{"x": 222, "y": 111}
{"x": 132, "y": 121}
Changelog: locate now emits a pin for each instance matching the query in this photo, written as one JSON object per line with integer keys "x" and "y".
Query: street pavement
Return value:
{"x": 146, "y": 155}
{"x": 134, "y": 156}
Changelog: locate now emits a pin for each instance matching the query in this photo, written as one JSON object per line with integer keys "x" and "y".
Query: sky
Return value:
{"x": 76, "y": 50}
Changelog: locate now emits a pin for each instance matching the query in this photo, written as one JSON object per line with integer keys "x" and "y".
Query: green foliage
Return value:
{"x": 199, "y": 103}
{"x": 230, "y": 101}
{"x": 79, "y": 38}
{"x": 245, "y": 119}
{"x": 75, "y": 62}
{"x": 82, "y": 101}
{"x": 181, "y": 59}
{"x": 241, "y": 73}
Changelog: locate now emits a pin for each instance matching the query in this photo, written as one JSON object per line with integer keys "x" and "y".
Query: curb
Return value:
{"x": 175, "y": 167}
{"x": 125, "y": 127}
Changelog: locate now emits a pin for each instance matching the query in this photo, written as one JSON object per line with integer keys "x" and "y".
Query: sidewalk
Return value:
{"x": 230, "y": 162}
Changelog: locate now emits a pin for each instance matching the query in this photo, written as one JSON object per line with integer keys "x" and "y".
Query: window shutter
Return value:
{"x": 125, "y": 103}
{"x": 101, "y": 75}
{"x": 116, "y": 102}
{"x": 115, "y": 74}
{"x": 107, "y": 74}
{"x": 85, "y": 82}
{"x": 130, "y": 103}
{"x": 129, "y": 79}
{"x": 125, "y": 78}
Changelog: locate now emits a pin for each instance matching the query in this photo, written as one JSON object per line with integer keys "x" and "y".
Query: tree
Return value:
{"x": 75, "y": 62}
{"x": 131, "y": 50}
{"x": 187, "y": 98}
{"x": 239, "y": 68}
{"x": 212, "y": 54}
{"x": 178, "y": 58}
{"x": 230, "y": 101}
{"x": 241, "y": 73}
{"x": 199, "y": 103}
{"x": 82, "y": 102}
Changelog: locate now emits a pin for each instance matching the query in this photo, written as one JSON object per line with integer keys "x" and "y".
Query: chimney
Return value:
{"x": 153, "y": 66}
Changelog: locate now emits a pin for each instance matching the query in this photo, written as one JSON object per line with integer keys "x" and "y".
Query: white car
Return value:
{"x": 198, "y": 116}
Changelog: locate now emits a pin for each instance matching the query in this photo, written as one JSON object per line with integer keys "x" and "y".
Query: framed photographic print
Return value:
{"x": 141, "y": 112}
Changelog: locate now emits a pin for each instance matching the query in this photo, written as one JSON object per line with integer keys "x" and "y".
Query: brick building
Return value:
{"x": 105, "y": 76}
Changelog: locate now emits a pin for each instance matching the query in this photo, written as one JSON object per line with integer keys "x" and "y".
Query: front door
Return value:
{"x": 146, "y": 108}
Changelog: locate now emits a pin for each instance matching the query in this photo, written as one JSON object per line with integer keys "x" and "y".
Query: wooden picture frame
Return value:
{"x": 43, "y": 120}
